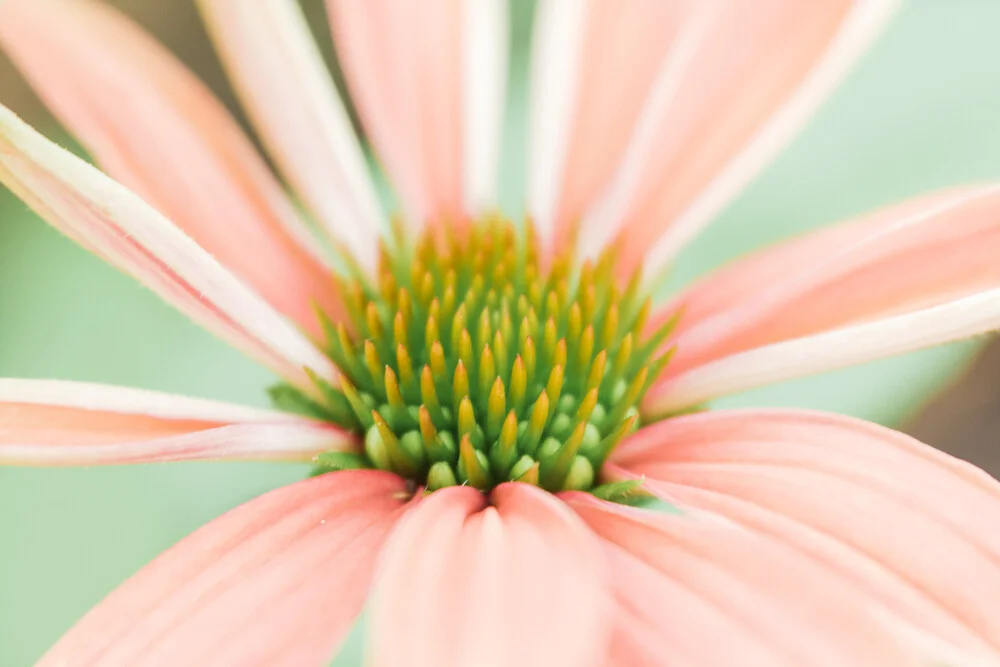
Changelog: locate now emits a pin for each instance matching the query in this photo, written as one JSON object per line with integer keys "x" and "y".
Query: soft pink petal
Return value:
{"x": 118, "y": 226}
{"x": 763, "y": 604}
{"x": 730, "y": 596}
{"x": 516, "y": 582}
{"x": 755, "y": 74}
{"x": 51, "y": 422}
{"x": 610, "y": 96}
{"x": 86, "y": 396}
{"x": 432, "y": 119}
{"x": 662, "y": 621}
{"x": 908, "y": 256}
{"x": 402, "y": 63}
{"x": 911, "y": 528}
{"x": 288, "y": 92}
{"x": 277, "y": 581}
{"x": 60, "y": 446}
{"x": 713, "y": 91}
{"x": 861, "y": 23}
{"x": 152, "y": 125}
{"x": 584, "y": 103}
{"x": 934, "y": 250}
{"x": 948, "y": 322}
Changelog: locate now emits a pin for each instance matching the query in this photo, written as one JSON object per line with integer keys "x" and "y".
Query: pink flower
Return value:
{"x": 484, "y": 516}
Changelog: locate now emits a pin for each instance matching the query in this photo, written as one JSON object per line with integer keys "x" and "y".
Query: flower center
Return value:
{"x": 470, "y": 363}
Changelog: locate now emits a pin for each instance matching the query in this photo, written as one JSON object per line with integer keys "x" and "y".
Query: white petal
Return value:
{"x": 127, "y": 400}
{"x": 485, "y": 42}
{"x": 555, "y": 64}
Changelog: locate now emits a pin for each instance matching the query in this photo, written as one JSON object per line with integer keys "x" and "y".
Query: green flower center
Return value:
{"x": 469, "y": 362}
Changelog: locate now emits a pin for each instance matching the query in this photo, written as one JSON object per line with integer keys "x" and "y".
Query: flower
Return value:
{"x": 471, "y": 393}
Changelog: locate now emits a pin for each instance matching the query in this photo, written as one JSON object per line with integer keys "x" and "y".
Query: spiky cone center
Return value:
{"x": 468, "y": 363}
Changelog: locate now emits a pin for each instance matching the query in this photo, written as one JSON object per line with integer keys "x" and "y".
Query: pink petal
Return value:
{"x": 430, "y": 96}
{"x": 713, "y": 91}
{"x": 767, "y": 97}
{"x": 704, "y": 593}
{"x": 118, "y": 226}
{"x": 61, "y": 446}
{"x": 289, "y": 94}
{"x": 584, "y": 104}
{"x": 920, "y": 254}
{"x": 51, "y": 422}
{"x": 152, "y": 125}
{"x": 911, "y": 528}
{"x": 856, "y": 344}
{"x": 662, "y": 622}
{"x": 518, "y": 582}
{"x": 276, "y": 581}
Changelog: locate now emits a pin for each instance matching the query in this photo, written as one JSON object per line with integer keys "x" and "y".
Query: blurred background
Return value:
{"x": 921, "y": 111}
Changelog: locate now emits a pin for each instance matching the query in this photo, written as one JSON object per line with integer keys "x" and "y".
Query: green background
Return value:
{"x": 921, "y": 111}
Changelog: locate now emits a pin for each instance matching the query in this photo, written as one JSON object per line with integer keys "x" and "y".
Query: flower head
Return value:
{"x": 468, "y": 363}
{"x": 486, "y": 402}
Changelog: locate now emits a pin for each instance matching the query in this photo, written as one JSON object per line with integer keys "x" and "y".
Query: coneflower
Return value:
{"x": 491, "y": 405}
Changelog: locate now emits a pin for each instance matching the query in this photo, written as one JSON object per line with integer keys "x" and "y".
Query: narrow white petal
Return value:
{"x": 952, "y": 321}
{"x": 486, "y": 38}
{"x": 859, "y": 29}
{"x": 237, "y": 442}
{"x": 127, "y": 400}
{"x": 87, "y": 205}
{"x": 287, "y": 91}
{"x": 555, "y": 63}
